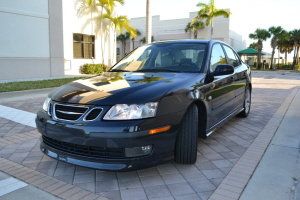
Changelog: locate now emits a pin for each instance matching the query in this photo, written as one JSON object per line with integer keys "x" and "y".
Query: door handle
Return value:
{"x": 232, "y": 78}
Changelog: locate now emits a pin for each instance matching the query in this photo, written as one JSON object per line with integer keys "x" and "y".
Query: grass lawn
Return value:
{"x": 29, "y": 85}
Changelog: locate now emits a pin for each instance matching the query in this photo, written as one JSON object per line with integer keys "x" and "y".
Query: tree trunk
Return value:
{"x": 114, "y": 48}
{"x": 259, "y": 48}
{"x": 211, "y": 29}
{"x": 278, "y": 57}
{"x": 132, "y": 43}
{"x": 102, "y": 33}
{"x": 285, "y": 57}
{"x": 297, "y": 55}
{"x": 295, "y": 52}
{"x": 272, "y": 58}
{"x": 195, "y": 34}
{"x": 273, "y": 52}
{"x": 258, "y": 59}
{"x": 148, "y": 23}
{"x": 124, "y": 47}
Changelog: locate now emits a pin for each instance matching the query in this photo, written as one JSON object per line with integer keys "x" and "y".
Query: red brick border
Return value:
{"x": 49, "y": 184}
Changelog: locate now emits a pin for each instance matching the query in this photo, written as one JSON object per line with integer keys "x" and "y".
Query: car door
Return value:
{"x": 222, "y": 94}
{"x": 240, "y": 71}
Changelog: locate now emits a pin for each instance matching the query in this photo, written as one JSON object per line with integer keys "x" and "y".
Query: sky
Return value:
{"x": 247, "y": 15}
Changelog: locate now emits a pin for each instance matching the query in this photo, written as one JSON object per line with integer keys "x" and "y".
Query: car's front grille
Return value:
{"x": 93, "y": 114}
{"x": 68, "y": 112}
{"x": 83, "y": 150}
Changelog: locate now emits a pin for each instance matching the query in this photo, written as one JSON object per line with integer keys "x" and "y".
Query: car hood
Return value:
{"x": 111, "y": 88}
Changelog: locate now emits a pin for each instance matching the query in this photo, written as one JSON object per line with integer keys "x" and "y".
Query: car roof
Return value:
{"x": 210, "y": 42}
{"x": 182, "y": 41}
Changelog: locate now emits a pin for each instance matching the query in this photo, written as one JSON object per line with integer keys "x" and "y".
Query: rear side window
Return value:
{"x": 217, "y": 57}
{"x": 232, "y": 58}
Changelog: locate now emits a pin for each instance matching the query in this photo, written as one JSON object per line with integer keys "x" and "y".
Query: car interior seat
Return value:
{"x": 187, "y": 64}
{"x": 178, "y": 55}
{"x": 166, "y": 61}
{"x": 200, "y": 59}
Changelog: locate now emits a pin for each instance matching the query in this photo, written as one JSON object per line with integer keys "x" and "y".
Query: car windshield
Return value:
{"x": 166, "y": 57}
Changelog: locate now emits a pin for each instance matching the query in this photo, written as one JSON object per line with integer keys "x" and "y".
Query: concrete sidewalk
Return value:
{"x": 278, "y": 173}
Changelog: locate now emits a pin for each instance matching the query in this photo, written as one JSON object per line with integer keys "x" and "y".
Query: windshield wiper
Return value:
{"x": 118, "y": 70}
{"x": 157, "y": 70}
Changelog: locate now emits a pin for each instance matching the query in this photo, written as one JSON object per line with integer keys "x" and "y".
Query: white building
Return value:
{"x": 46, "y": 38}
{"x": 175, "y": 29}
{"x": 82, "y": 38}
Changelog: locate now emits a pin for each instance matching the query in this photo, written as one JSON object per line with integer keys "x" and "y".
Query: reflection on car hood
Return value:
{"x": 111, "y": 88}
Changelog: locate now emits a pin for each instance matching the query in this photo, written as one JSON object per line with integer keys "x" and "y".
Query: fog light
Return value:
{"x": 138, "y": 151}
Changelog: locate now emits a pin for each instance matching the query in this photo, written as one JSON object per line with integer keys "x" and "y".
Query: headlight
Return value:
{"x": 46, "y": 104}
{"x": 132, "y": 111}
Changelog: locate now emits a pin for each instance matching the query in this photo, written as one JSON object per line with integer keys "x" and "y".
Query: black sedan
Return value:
{"x": 149, "y": 108}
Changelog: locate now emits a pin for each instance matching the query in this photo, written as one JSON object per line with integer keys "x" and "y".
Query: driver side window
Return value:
{"x": 217, "y": 57}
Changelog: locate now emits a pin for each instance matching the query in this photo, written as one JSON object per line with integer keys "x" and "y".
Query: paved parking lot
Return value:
{"x": 219, "y": 156}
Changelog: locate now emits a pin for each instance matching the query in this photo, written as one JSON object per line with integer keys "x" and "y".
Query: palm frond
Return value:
{"x": 222, "y": 12}
{"x": 89, "y": 2}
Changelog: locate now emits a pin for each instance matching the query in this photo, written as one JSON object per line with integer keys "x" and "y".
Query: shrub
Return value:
{"x": 279, "y": 66}
{"x": 254, "y": 65}
{"x": 93, "y": 68}
{"x": 297, "y": 67}
{"x": 260, "y": 66}
{"x": 267, "y": 66}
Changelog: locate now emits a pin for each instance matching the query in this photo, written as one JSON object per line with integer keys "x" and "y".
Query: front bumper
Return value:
{"x": 109, "y": 135}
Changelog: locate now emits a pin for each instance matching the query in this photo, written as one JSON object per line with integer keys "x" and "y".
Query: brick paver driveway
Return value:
{"x": 217, "y": 155}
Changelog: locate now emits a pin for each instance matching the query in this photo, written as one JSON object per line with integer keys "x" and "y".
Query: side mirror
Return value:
{"x": 223, "y": 70}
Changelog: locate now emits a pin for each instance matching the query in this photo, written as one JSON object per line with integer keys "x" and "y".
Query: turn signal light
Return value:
{"x": 158, "y": 130}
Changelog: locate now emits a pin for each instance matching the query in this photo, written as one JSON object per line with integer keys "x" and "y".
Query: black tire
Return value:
{"x": 247, "y": 104}
{"x": 187, "y": 137}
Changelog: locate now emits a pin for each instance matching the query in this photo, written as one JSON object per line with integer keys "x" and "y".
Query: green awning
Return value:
{"x": 250, "y": 51}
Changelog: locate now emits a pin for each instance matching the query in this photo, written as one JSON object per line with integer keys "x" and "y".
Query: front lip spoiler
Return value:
{"x": 103, "y": 166}
{"x": 106, "y": 165}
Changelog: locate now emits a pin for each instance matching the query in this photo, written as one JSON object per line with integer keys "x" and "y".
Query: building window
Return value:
{"x": 83, "y": 46}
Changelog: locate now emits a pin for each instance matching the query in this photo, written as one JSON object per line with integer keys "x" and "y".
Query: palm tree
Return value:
{"x": 295, "y": 36}
{"x": 276, "y": 33}
{"x": 285, "y": 44}
{"x": 123, "y": 38}
{"x": 108, "y": 6}
{"x": 260, "y": 35}
{"x": 148, "y": 22}
{"x": 143, "y": 40}
{"x": 119, "y": 23}
{"x": 194, "y": 27}
{"x": 209, "y": 12}
{"x": 138, "y": 33}
{"x": 253, "y": 45}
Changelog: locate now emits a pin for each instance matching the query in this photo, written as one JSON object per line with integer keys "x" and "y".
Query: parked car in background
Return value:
{"x": 149, "y": 108}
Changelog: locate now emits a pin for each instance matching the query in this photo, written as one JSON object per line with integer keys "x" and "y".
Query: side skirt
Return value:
{"x": 223, "y": 121}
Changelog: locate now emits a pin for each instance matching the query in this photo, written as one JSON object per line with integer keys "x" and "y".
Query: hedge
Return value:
{"x": 93, "y": 68}
{"x": 279, "y": 66}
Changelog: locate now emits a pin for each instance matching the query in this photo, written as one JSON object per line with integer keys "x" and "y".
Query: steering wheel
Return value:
{"x": 191, "y": 64}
